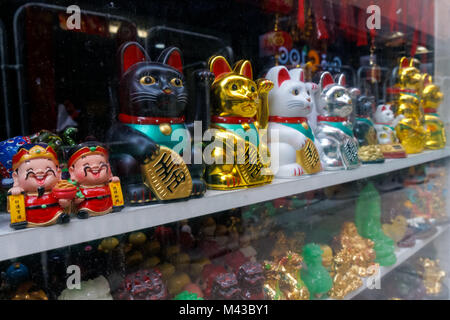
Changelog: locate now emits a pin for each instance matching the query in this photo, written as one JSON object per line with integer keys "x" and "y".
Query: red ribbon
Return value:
{"x": 288, "y": 119}
{"x": 232, "y": 120}
{"x": 301, "y": 14}
{"x": 125, "y": 118}
{"x": 331, "y": 119}
{"x": 322, "y": 32}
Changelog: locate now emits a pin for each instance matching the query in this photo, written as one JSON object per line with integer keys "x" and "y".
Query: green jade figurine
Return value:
{"x": 368, "y": 223}
{"x": 315, "y": 276}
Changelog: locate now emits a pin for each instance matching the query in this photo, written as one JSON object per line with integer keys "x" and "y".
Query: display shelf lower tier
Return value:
{"x": 402, "y": 254}
{"x": 17, "y": 243}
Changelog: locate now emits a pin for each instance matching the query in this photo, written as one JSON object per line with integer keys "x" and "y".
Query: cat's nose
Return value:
{"x": 308, "y": 99}
{"x": 167, "y": 91}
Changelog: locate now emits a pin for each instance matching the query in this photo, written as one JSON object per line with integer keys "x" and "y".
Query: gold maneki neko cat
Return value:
{"x": 239, "y": 113}
{"x": 411, "y": 129}
{"x": 431, "y": 99}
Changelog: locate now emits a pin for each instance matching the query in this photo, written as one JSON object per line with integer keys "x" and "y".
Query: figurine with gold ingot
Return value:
{"x": 239, "y": 108}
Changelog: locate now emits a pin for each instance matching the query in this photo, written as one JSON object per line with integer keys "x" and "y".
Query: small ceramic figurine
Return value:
{"x": 334, "y": 132}
{"x": 142, "y": 285}
{"x": 315, "y": 276}
{"x": 368, "y": 224}
{"x": 364, "y": 131}
{"x": 95, "y": 289}
{"x": 38, "y": 196}
{"x": 431, "y": 99}
{"x": 411, "y": 129}
{"x": 225, "y": 287}
{"x": 385, "y": 123}
{"x": 153, "y": 110}
{"x": 291, "y": 139}
{"x": 239, "y": 111}
{"x": 396, "y": 230}
{"x": 251, "y": 281}
{"x": 99, "y": 190}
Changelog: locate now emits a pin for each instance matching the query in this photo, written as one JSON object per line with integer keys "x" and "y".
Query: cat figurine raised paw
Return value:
{"x": 237, "y": 156}
{"x": 334, "y": 131}
{"x": 152, "y": 141}
{"x": 291, "y": 139}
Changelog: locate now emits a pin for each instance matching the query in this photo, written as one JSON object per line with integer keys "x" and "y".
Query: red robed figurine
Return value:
{"x": 32, "y": 201}
{"x": 89, "y": 168}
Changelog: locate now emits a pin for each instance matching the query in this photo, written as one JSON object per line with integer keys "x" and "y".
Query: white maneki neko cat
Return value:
{"x": 291, "y": 139}
{"x": 385, "y": 123}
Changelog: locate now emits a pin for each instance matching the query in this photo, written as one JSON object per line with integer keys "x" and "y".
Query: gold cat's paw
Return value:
{"x": 264, "y": 85}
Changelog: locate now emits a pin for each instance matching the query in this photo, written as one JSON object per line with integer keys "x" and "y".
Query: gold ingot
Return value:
{"x": 167, "y": 175}
{"x": 165, "y": 128}
{"x": 308, "y": 158}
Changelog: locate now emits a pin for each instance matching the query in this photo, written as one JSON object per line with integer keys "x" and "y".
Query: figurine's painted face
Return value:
{"x": 234, "y": 93}
{"x": 36, "y": 173}
{"x": 90, "y": 169}
{"x": 290, "y": 97}
{"x": 152, "y": 89}
{"x": 335, "y": 100}
{"x": 384, "y": 114}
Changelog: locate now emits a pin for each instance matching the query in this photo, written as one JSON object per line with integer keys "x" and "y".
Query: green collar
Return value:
{"x": 347, "y": 129}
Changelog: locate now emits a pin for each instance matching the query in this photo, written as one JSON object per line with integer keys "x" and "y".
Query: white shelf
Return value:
{"x": 402, "y": 254}
{"x": 17, "y": 243}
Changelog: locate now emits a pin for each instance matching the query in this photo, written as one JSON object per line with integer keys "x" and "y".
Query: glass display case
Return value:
{"x": 224, "y": 150}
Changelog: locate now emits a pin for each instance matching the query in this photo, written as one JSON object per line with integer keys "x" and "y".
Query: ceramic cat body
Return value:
{"x": 334, "y": 132}
{"x": 385, "y": 122}
{"x": 238, "y": 112}
{"x": 145, "y": 142}
{"x": 291, "y": 139}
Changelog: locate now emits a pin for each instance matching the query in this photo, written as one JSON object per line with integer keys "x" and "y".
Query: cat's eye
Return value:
{"x": 295, "y": 92}
{"x": 252, "y": 89}
{"x": 176, "y": 82}
{"x": 147, "y": 80}
{"x": 338, "y": 94}
{"x": 307, "y": 91}
{"x": 234, "y": 87}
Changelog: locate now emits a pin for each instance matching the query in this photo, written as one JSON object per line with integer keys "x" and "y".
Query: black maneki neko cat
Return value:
{"x": 151, "y": 144}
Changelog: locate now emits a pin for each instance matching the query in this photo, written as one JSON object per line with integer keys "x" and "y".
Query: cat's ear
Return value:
{"x": 278, "y": 75}
{"x": 219, "y": 65}
{"x": 172, "y": 57}
{"x": 342, "y": 80}
{"x": 244, "y": 68}
{"x": 325, "y": 79}
{"x": 297, "y": 74}
{"x": 131, "y": 53}
{"x": 404, "y": 63}
{"x": 427, "y": 79}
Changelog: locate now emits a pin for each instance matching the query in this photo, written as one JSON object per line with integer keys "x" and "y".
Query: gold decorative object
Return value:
{"x": 283, "y": 281}
{"x": 239, "y": 113}
{"x": 432, "y": 275}
{"x": 308, "y": 158}
{"x": 167, "y": 175}
{"x": 354, "y": 259}
{"x": 370, "y": 153}
{"x": 411, "y": 129}
{"x": 431, "y": 99}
